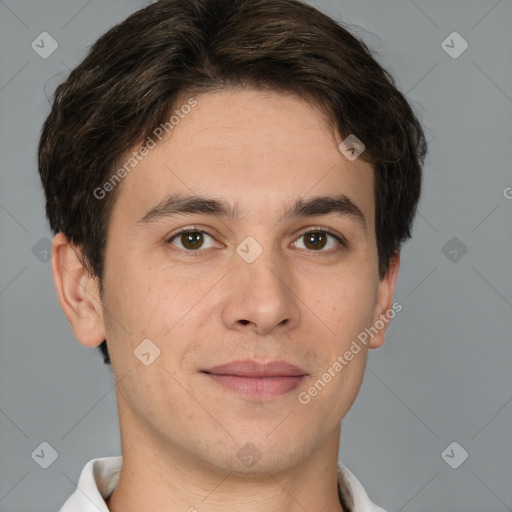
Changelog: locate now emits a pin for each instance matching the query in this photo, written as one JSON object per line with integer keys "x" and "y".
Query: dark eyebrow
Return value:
{"x": 177, "y": 204}
{"x": 325, "y": 205}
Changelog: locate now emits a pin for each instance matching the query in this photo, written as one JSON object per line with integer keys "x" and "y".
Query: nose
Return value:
{"x": 261, "y": 296}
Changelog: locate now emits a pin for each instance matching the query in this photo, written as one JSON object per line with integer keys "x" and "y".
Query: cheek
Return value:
{"x": 130, "y": 307}
{"x": 347, "y": 303}
{"x": 177, "y": 302}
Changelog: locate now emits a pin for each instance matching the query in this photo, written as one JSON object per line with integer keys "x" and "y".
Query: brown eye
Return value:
{"x": 190, "y": 240}
{"x": 318, "y": 239}
{"x": 315, "y": 240}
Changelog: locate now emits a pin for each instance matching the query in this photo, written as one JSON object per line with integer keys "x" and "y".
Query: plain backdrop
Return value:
{"x": 444, "y": 375}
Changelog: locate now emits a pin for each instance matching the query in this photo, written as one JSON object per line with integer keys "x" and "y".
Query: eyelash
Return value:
{"x": 194, "y": 229}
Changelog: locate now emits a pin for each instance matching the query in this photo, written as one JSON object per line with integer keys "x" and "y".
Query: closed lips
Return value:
{"x": 255, "y": 369}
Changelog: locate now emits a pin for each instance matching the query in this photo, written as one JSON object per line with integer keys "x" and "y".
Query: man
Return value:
{"x": 229, "y": 184}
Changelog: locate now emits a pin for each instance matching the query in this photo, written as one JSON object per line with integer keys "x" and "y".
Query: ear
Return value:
{"x": 78, "y": 292}
{"x": 385, "y": 302}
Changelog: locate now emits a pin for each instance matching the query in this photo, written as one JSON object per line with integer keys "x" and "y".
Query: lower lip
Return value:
{"x": 259, "y": 387}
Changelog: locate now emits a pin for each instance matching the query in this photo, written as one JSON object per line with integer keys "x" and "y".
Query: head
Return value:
{"x": 242, "y": 106}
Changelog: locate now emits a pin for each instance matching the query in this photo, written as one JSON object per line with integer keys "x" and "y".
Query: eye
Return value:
{"x": 191, "y": 239}
{"x": 317, "y": 239}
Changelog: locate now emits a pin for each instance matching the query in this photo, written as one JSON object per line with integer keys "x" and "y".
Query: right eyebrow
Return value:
{"x": 176, "y": 204}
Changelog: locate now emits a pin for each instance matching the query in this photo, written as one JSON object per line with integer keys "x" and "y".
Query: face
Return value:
{"x": 257, "y": 284}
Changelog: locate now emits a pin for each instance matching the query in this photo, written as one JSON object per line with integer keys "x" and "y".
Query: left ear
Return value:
{"x": 384, "y": 302}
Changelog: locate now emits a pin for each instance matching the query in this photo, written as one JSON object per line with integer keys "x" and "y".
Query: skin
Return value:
{"x": 180, "y": 431}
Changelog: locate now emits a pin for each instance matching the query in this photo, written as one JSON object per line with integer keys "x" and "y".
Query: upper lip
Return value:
{"x": 250, "y": 368}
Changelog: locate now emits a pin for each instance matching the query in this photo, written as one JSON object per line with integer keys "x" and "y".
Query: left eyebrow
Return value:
{"x": 179, "y": 204}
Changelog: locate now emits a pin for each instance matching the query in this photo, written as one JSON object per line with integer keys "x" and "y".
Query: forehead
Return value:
{"x": 258, "y": 149}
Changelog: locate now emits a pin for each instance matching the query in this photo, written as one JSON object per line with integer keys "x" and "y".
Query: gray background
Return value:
{"x": 444, "y": 373}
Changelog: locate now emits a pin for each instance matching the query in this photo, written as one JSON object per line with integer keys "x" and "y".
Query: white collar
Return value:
{"x": 100, "y": 476}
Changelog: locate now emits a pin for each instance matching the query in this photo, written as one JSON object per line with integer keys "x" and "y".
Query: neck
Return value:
{"x": 156, "y": 476}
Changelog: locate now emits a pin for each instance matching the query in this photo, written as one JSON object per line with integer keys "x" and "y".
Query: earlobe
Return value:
{"x": 381, "y": 317}
{"x": 78, "y": 292}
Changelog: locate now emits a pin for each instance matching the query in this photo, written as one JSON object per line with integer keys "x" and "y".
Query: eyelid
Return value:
{"x": 190, "y": 229}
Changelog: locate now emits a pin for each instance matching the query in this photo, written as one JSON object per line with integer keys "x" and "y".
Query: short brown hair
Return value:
{"x": 134, "y": 74}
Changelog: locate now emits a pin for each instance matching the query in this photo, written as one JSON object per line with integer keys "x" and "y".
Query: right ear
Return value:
{"x": 78, "y": 292}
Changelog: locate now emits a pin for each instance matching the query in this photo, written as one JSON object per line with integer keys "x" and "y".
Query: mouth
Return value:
{"x": 258, "y": 380}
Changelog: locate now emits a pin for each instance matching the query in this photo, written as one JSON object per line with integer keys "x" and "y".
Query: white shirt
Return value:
{"x": 100, "y": 476}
